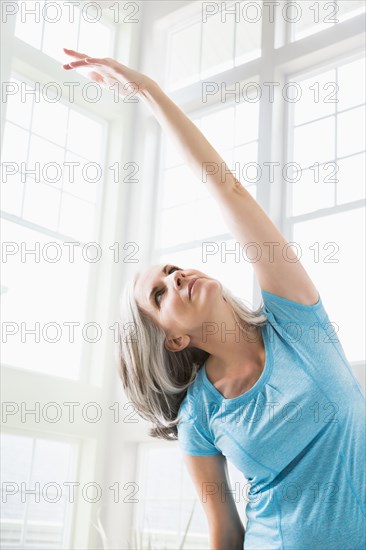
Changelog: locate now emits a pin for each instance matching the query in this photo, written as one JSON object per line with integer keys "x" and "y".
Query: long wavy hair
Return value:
{"x": 155, "y": 379}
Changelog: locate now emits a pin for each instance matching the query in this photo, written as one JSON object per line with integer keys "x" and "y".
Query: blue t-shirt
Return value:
{"x": 298, "y": 435}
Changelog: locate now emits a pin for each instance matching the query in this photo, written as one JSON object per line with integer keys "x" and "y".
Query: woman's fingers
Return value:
{"x": 73, "y": 53}
{"x": 107, "y": 71}
{"x": 96, "y": 61}
{"x": 79, "y": 55}
{"x": 85, "y": 61}
{"x": 69, "y": 66}
{"x": 76, "y": 64}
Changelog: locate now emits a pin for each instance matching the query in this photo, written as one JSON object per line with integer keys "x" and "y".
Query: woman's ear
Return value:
{"x": 177, "y": 344}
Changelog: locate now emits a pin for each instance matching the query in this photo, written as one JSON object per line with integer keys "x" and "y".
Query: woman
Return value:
{"x": 269, "y": 390}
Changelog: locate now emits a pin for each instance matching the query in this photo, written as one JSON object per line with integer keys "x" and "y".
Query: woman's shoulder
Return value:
{"x": 281, "y": 310}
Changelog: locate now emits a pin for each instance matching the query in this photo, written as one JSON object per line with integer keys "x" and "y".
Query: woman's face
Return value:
{"x": 163, "y": 293}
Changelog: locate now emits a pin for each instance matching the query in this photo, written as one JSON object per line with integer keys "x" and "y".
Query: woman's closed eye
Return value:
{"x": 161, "y": 291}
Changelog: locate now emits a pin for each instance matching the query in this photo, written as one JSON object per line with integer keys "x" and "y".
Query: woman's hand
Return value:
{"x": 107, "y": 71}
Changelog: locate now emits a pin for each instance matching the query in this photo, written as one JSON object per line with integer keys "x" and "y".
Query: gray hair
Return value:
{"x": 155, "y": 379}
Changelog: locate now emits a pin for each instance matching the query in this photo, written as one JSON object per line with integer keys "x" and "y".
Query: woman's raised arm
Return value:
{"x": 191, "y": 143}
{"x": 277, "y": 272}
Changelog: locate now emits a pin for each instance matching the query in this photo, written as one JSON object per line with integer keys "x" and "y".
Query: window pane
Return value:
{"x": 351, "y": 131}
{"x": 46, "y": 168}
{"x": 41, "y": 204}
{"x": 60, "y": 30}
{"x": 51, "y": 465}
{"x": 162, "y": 515}
{"x": 209, "y": 219}
{"x": 179, "y": 186}
{"x": 314, "y": 142}
{"x": 77, "y": 218}
{"x": 19, "y": 111}
{"x": 57, "y": 20}
{"x": 199, "y": 522}
{"x": 317, "y": 97}
{"x": 351, "y": 82}
{"x": 15, "y": 144}
{"x": 185, "y": 197}
{"x": 312, "y": 190}
{"x": 95, "y": 39}
{"x": 176, "y": 225}
{"x": 34, "y": 292}
{"x": 351, "y": 176}
{"x": 221, "y": 38}
{"x": 75, "y": 183}
{"x": 311, "y": 17}
{"x": 184, "y": 56}
{"x": 190, "y": 222}
{"x": 44, "y": 112}
{"x": 343, "y": 264}
{"x": 218, "y": 128}
{"x": 217, "y": 44}
{"x": 45, "y": 152}
{"x": 29, "y": 25}
{"x": 84, "y": 136}
{"x": 246, "y": 122}
{"x": 163, "y": 465}
{"x": 32, "y": 461}
{"x": 350, "y": 8}
{"x": 172, "y": 156}
{"x": 169, "y": 499}
{"x": 12, "y": 195}
{"x": 15, "y": 464}
{"x": 12, "y": 188}
{"x": 248, "y": 31}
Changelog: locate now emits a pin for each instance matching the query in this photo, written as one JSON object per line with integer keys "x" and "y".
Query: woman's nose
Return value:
{"x": 178, "y": 277}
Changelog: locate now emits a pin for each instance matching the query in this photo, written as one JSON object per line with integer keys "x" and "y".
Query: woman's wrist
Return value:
{"x": 148, "y": 90}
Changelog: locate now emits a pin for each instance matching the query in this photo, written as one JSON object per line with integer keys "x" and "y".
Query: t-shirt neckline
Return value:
{"x": 268, "y": 364}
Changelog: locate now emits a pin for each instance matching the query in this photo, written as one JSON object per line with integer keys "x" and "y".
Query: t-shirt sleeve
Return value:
{"x": 193, "y": 438}
{"x": 286, "y": 312}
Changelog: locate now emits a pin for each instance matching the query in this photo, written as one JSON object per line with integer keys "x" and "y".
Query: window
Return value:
{"x": 328, "y": 151}
{"x": 48, "y": 25}
{"x": 213, "y": 42}
{"x": 36, "y": 509}
{"x": 169, "y": 505}
{"x": 312, "y": 17}
{"x": 59, "y": 163}
{"x": 52, "y": 190}
{"x": 54, "y": 360}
